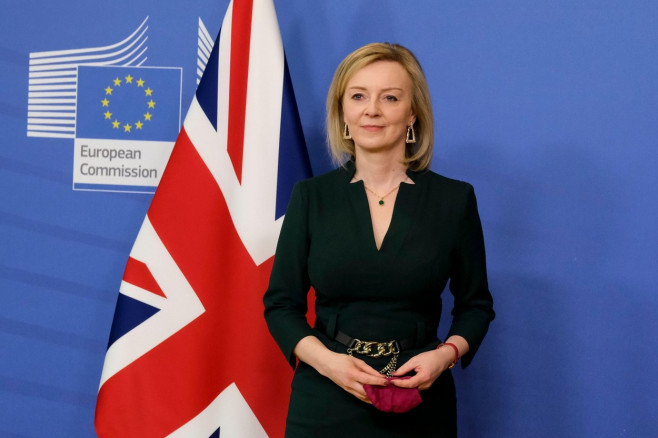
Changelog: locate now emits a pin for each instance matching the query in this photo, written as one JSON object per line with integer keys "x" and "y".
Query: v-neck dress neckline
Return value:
{"x": 401, "y": 217}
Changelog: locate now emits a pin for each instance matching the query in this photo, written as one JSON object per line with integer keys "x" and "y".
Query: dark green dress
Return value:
{"x": 327, "y": 243}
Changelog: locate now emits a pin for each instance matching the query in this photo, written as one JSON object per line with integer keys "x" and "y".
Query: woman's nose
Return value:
{"x": 372, "y": 109}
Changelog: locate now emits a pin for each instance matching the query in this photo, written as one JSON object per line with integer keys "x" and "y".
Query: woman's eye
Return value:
{"x": 357, "y": 96}
{"x": 391, "y": 98}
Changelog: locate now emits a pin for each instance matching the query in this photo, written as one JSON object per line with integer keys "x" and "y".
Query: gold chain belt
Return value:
{"x": 377, "y": 349}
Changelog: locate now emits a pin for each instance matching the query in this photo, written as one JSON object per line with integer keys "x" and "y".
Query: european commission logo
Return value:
{"x": 123, "y": 116}
{"x": 127, "y": 123}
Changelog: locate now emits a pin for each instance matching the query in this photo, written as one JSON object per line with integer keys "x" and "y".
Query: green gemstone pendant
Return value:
{"x": 381, "y": 202}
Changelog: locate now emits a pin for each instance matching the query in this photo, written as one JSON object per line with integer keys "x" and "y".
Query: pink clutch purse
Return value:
{"x": 392, "y": 398}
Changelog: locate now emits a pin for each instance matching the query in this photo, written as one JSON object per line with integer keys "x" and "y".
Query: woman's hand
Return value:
{"x": 429, "y": 365}
{"x": 351, "y": 374}
{"x": 345, "y": 371}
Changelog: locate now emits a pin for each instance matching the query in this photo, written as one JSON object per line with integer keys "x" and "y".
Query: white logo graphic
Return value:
{"x": 203, "y": 52}
{"x": 53, "y": 81}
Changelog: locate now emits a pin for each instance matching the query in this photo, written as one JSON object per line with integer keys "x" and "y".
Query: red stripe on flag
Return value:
{"x": 138, "y": 274}
{"x": 229, "y": 342}
{"x": 240, "y": 43}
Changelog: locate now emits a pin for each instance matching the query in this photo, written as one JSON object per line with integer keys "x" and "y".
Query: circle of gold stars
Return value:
{"x": 115, "y": 85}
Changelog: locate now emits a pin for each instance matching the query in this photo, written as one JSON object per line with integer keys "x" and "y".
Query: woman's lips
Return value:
{"x": 372, "y": 128}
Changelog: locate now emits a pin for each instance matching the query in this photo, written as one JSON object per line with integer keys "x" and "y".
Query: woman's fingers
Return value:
{"x": 427, "y": 367}
{"x": 361, "y": 396}
{"x": 351, "y": 374}
{"x": 408, "y": 367}
{"x": 420, "y": 381}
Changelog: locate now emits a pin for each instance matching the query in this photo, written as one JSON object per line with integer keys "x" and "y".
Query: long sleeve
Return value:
{"x": 286, "y": 296}
{"x": 473, "y": 304}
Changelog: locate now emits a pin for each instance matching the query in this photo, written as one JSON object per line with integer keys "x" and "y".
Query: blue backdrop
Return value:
{"x": 550, "y": 109}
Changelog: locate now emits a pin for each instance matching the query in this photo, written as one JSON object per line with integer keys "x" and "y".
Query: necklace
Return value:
{"x": 381, "y": 198}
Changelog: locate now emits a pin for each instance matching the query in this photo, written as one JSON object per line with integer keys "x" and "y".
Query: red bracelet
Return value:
{"x": 454, "y": 362}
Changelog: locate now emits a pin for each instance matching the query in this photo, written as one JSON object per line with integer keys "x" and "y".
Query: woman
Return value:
{"x": 378, "y": 239}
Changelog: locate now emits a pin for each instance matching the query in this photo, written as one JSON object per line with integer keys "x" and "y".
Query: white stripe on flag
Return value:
{"x": 180, "y": 308}
{"x": 230, "y": 413}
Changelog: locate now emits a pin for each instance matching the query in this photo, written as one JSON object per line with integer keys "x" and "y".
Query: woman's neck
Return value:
{"x": 379, "y": 172}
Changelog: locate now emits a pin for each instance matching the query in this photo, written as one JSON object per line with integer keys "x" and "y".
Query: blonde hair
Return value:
{"x": 418, "y": 155}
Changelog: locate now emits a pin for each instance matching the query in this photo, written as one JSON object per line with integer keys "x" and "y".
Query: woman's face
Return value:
{"x": 377, "y": 106}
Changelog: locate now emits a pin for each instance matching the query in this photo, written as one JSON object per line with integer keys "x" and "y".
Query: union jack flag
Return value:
{"x": 189, "y": 352}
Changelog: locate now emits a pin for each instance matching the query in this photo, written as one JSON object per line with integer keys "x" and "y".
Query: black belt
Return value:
{"x": 422, "y": 337}
{"x": 379, "y": 349}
